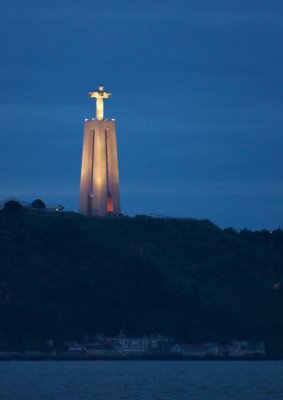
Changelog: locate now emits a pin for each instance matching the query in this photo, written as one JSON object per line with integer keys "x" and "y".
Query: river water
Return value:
{"x": 141, "y": 380}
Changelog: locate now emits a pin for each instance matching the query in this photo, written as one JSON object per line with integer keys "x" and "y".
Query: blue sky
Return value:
{"x": 197, "y": 96}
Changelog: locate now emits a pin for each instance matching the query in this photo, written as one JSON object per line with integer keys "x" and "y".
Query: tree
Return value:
{"x": 12, "y": 207}
{"x": 230, "y": 231}
{"x": 39, "y": 204}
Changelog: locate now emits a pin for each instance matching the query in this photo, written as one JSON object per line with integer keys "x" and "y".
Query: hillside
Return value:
{"x": 63, "y": 276}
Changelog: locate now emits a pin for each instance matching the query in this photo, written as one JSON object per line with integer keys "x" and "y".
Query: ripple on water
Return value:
{"x": 141, "y": 380}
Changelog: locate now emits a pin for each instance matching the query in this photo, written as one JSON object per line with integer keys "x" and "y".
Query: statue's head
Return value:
{"x": 100, "y": 88}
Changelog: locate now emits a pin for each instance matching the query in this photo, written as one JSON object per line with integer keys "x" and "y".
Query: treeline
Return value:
{"x": 64, "y": 276}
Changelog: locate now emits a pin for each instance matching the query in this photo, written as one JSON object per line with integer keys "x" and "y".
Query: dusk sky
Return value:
{"x": 197, "y": 96}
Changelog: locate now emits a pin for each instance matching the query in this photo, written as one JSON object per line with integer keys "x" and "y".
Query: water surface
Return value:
{"x": 141, "y": 380}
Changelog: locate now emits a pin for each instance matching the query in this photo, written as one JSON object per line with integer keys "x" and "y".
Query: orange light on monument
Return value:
{"x": 109, "y": 204}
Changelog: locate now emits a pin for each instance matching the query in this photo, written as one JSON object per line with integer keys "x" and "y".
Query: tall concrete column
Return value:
{"x": 100, "y": 192}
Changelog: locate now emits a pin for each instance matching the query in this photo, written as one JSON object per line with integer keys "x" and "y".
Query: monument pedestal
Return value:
{"x": 100, "y": 193}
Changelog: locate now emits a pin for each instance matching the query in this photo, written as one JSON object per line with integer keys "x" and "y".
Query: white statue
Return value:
{"x": 100, "y": 95}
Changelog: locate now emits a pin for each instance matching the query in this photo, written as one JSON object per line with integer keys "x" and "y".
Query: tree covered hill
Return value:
{"x": 63, "y": 276}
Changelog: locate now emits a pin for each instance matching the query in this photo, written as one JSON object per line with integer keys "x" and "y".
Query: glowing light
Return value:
{"x": 109, "y": 204}
{"x": 276, "y": 286}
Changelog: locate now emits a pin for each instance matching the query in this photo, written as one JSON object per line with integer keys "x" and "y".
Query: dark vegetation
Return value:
{"x": 38, "y": 204}
{"x": 63, "y": 276}
{"x": 12, "y": 207}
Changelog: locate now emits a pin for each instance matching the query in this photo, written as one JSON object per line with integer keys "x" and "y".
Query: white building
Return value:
{"x": 124, "y": 344}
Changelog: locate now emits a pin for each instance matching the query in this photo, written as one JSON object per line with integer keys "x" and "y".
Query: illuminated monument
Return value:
{"x": 100, "y": 193}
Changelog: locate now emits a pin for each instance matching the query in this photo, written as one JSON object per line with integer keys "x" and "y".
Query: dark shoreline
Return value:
{"x": 132, "y": 358}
